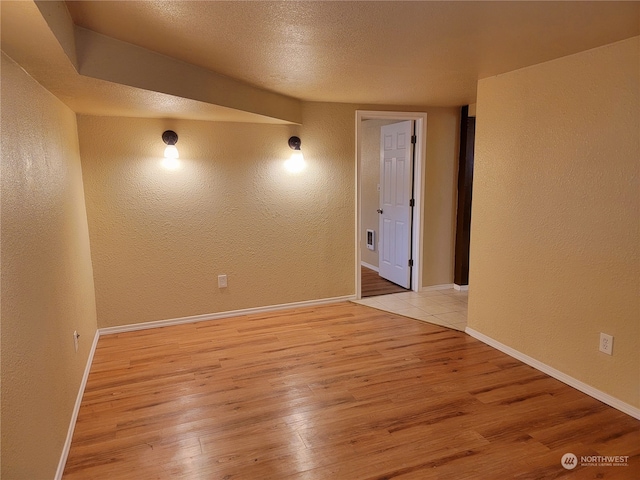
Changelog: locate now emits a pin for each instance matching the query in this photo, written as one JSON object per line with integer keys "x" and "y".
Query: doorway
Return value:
{"x": 366, "y": 226}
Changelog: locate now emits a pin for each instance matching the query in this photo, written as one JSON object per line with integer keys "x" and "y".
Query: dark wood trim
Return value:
{"x": 465, "y": 185}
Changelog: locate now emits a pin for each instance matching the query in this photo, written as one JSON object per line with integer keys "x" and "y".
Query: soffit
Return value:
{"x": 398, "y": 53}
{"x": 27, "y": 39}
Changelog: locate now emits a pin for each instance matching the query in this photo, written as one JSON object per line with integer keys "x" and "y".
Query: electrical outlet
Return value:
{"x": 606, "y": 343}
{"x": 222, "y": 281}
{"x": 76, "y": 338}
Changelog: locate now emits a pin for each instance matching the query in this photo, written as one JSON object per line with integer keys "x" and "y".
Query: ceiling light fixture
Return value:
{"x": 171, "y": 154}
{"x": 296, "y": 163}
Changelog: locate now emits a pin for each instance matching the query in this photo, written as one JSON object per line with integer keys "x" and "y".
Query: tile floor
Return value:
{"x": 447, "y": 308}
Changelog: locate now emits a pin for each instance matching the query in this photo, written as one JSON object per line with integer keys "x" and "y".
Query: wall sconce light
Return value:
{"x": 296, "y": 163}
{"x": 171, "y": 154}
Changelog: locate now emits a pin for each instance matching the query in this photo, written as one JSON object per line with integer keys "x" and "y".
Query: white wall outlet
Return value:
{"x": 606, "y": 343}
{"x": 76, "y": 338}
{"x": 222, "y": 281}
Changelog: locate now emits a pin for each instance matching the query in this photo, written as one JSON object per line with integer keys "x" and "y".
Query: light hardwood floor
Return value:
{"x": 336, "y": 392}
{"x": 372, "y": 284}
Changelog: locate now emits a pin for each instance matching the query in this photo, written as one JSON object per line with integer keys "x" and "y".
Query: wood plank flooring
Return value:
{"x": 373, "y": 284}
{"x": 340, "y": 392}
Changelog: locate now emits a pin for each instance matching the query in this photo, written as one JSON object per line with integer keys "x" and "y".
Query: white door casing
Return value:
{"x": 396, "y": 181}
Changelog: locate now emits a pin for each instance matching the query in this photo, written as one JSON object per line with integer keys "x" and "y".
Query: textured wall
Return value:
{"x": 555, "y": 233}
{"x": 160, "y": 238}
{"x": 47, "y": 281}
{"x": 439, "y": 220}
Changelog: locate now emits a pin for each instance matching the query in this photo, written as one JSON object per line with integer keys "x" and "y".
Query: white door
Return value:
{"x": 396, "y": 171}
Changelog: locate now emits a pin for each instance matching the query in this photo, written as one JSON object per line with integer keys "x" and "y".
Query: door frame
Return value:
{"x": 418, "y": 181}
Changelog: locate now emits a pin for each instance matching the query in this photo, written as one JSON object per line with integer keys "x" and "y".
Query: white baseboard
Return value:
{"x": 461, "y": 288}
{"x": 444, "y": 286}
{"x": 213, "y": 316}
{"x": 557, "y": 374}
{"x": 369, "y": 266}
{"x": 76, "y": 408}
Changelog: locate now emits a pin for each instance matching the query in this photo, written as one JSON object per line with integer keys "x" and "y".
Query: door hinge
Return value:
{"x": 414, "y": 138}
{"x": 412, "y": 202}
{"x": 411, "y": 262}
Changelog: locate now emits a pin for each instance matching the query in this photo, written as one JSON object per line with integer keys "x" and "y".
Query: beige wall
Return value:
{"x": 161, "y": 238}
{"x": 440, "y": 196}
{"x": 47, "y": 281}
{"x": 555, "y": 232}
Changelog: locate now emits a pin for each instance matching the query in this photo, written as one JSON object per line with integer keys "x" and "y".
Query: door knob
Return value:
{"x": 379, "y": 211}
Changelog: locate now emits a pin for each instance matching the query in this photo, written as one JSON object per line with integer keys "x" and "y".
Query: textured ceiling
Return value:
{"x": 387, "y": 53}
{"x": 420, "y": 53}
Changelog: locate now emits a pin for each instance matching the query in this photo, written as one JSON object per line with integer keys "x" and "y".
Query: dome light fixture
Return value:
{"x": 296, "y": 163}
{"x": 171, "y": 154}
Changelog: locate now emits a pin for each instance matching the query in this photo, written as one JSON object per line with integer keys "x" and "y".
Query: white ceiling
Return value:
{"x": 422, "y": 53}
